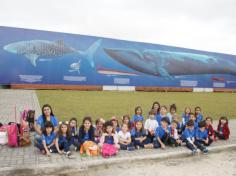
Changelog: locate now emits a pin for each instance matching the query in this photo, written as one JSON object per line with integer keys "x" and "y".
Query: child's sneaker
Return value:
{"x": 205, "y": 151}
{"x": 194, "y": 151}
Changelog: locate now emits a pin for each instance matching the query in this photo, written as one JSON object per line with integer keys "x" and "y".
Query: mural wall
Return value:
{"x": 42, "y": 57}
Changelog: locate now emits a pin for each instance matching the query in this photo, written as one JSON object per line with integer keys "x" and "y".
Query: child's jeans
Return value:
{"x": 164, "y": 139}
{"x": 199, "y": 145}
{"x": 173, "y": 142}
{"x": 125, "y": 146}
{"x": 140, "y": 144}
{"x": 206, "y": 144}
{"x": 189, "y": 145}
{"x": 40, "y": 146}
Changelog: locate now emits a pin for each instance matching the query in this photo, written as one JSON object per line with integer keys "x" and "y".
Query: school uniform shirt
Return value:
{"x": 199, "y": 118}
{"x": 185, "y": 119}
{"x": 86, "y": 137}
{"x": 195, "y": 125}
{"x": 136, "y": 134}
{"x": 40, "y": 121}
{"x": 159, "y": 117}
{"x": 201, "y": 135}
{"x": 151, "y": 124}
{"x": 73, "y": 131}
{"x": 137, "y": 118}
{"x": 49, "y": 139}
{"x": 125, "y": 136}
{"x": 160, "y": 132}
{"x": 188, "y": 135}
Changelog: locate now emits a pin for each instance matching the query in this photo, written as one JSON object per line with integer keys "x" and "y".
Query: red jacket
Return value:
{"x": 225, "y": 130}
{"x": 211, "y": 132}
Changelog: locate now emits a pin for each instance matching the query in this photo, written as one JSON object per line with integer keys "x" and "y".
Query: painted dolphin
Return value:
{"x": 33, "y": 49}
{"x": 168, "y": 64}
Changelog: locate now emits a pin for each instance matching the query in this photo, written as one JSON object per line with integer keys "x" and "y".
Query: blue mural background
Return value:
{"x": 42, "y": 57}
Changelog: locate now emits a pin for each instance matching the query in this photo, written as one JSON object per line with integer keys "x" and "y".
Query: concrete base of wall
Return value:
{"x": 117, "y": 88}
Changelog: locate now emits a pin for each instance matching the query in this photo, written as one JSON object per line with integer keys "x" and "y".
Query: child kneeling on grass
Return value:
{"x": 47, "y": 143}
{"x": 109, "y": 141}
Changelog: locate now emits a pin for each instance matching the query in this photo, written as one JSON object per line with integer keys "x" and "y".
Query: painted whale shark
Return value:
{"x": 34, "y": 49}
{"x": 168, "y": 64}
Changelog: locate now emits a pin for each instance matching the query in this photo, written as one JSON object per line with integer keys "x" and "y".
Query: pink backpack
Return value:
{"x": 12, "y": 131}
{"x": 108, "y": 150}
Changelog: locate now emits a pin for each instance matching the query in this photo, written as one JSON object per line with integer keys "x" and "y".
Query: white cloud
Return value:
{"x": 199, "y": 24}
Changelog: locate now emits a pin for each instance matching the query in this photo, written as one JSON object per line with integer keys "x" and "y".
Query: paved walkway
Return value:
{"x": 16, "y": 99}
{"x": 29, "y": 161}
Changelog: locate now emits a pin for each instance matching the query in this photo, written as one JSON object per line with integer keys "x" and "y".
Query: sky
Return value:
{"x": 208, "y": 25}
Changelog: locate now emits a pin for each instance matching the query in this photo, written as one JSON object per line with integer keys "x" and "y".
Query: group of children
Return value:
{"x": 160, "y": 129}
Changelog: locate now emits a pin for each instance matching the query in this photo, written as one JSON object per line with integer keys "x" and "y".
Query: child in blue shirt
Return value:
{"x": 198, "y": 115}
{"x": 74, "y": 132}
{"x": 48, "y": 139}
{"x": 202, "y": 134}
{"x": 138, "y": 114}
{"x": 162, "y": 134}
{"x": 188, "y": 136}
{"x": 64, "y": 140}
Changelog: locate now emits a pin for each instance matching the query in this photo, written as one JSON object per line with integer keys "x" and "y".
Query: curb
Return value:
{"x": 54, "y": 169}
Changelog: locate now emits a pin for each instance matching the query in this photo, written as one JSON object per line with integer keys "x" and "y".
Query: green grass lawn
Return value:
{"x": 67, "y": 104}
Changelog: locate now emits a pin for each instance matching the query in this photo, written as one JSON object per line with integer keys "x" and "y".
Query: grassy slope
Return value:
{"x": 67, "y": 104}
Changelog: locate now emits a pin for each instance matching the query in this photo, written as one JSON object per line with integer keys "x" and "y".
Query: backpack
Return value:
{"x": 91, "y": 147}
{"x": 24, "y": 130}
{"x": 30, "y": 119}
{"x": 13, "y": 132}
{"x": 3, "y": 135}
{"x": 108, "y": 150}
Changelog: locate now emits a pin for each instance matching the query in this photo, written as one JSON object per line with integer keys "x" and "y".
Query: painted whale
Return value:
{"x": 168, "y": 64}
{"x": 34, "y": 49}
